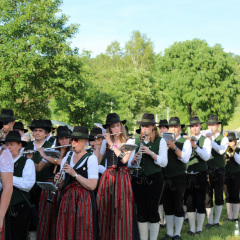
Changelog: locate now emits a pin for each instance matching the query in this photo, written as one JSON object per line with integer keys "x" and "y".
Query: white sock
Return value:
{"x": 154, "y": 229}
{"x": 32, "y": 235}
{"x": 178, "y": 225}
{"x": 235, "y": 208}
{"x": 143, "y": 230}
{"x": 192, "y": 220}
{"x": 160, "y": 211}
{"x": 218, "y": 211}
{"x": 200, "y": 221}
{"x": 185, "y": 211}
{"x": 210, "y": 215}
{"x": 229, "y": 210}
{"x": 169, "y": 223}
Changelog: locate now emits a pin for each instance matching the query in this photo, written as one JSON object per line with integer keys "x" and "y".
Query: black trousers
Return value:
{"x": 19, "y": 218}
{"x": 195, "y": 193}
{"x": 215, "y": 183}
{"x": 147, "y": 192}
{"x": 232, "y": 187}
{"x": 173, "y": 193}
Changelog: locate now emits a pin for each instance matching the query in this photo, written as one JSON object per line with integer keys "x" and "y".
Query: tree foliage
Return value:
{"x": 197, "y": 79}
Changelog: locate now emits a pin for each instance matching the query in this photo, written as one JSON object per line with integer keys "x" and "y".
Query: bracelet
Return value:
{"x": 121, "y": 155}
{"x": 175, "y": 149}
{"x": 44, "y": 156}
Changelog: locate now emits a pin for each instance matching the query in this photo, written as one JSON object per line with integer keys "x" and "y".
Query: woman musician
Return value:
{"x": 232, "y": 179}
{"x": 77, "y": 215}
{"x": 47, "y": 223}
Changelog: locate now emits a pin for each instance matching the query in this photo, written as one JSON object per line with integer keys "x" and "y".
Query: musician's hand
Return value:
{"x": 108, "y": 138}
{"x": 194, "y": 145}
{"x": 209, "y": 136}
{"x": 171, "y": 144}
{"x": 68, "y": 169}
{"x": 40, "y": 150}
{"x": 56, "y": 177}
{"x": 145, "y": 150}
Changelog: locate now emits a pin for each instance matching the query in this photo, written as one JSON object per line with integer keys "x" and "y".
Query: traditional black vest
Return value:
{"x": 17, "y": 195}
{"x": 196, "y": 164}
{"x": 216, "y": 160}
{"x": 43, "y": 175}
{"x": 175, "y": 167}
{"x": 232, "y": 166}
{"x": 148, "y": 166}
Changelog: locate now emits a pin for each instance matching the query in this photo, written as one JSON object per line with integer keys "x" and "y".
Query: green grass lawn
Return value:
{"x": 225, "y": 232}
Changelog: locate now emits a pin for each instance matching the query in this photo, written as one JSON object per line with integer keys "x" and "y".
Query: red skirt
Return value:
{"x": 47, "y": 219}
{"x": 76, "y": 214}
{"x": 115, "y": 205}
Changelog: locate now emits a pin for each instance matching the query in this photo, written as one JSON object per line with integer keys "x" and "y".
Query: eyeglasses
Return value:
{"x": 75, "y": 140}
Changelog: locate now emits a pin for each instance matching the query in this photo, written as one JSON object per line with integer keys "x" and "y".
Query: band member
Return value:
{"x": 39, "y": 130}
{"x": 77, "y": 216}
{"x": 147, "y": 186}
{"x": 232, "y": 180}
{"x": 163, "y": 128}
{"x": 47, "y": 223}
{"x": 7, "y": 118}
{"x": 23, "y": 180}
{"x": 195, "y": 192}
{"x": 6, "y": 186}
{"x": 179, "y": 153}
{"x": 95, "y": 140}
{"x": 115, "y": 197}
{"x": 49, "y": 137}
{"x": 18, "y": 126}
{"x": 216, "y": 169}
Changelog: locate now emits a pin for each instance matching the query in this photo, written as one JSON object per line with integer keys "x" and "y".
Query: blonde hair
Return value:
{"x": 153, "y": 136}
{"x": 123, "y": 134}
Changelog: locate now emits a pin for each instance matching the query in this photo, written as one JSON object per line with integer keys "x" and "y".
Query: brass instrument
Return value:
{"x": 231, "y": 150}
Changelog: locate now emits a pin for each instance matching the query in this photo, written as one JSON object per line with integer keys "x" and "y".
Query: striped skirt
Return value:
{"x": 115, "y": 205}
{"x": 47, "y": 219}
{"x": 77, "y": 216}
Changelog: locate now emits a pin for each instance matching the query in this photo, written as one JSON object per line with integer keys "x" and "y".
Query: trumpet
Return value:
{"x": 231, "y": 150}
{"x": 102, "y": 136}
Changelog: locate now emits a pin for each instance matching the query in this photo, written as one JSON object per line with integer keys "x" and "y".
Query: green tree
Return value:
{"x": 198, "y": 79}
{"x": 35, "y": 55}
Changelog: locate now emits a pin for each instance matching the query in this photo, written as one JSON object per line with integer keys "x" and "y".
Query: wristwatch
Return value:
{"x": 175, "y": 149}
{"x": 75, "y": 176}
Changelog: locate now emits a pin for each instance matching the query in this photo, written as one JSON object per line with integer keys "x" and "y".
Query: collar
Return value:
{"x": 15, "y": 159}
{"x": 34, "y": 146}
{"x": 178, "y": 137}
{"x": 215, "y": 136}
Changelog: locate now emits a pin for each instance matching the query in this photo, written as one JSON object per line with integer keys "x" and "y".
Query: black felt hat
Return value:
{"x": 39, "y": 124}
{"x": 63, "y": 131}
{"x": 111, "y": 119}
{"x": 49, "y": 124}
{"x": 213, "y": 119}
{"x": 175, "y": 121}
{"x": 19, "y": 125}
{"x": 94, "y": 132}
{"x": 232, "y": 136}
{"x": 147, "y": 119}
{"x": 7, "y": 115}
{"x": 163, "y": 123}
{"x": 194, "y": 121}
{"x": 80, "y": 132}
{"x": 14, "y": 136}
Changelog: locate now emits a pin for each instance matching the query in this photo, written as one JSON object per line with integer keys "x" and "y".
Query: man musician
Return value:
{"x": 195, "y": 192}
{"x": 216, "y": 169}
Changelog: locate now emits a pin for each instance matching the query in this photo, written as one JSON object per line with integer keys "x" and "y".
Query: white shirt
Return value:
{"x": 28, "y": 178}
{"x": 6, "y": 161}
{"x": 92, "y": 165}
{"x": 162, "y": 157}
{"x": 204, "y": 152}
{"x": 237, "y": 157}
{"x": 220, "y": 149}
{"x": 186, "y": 150}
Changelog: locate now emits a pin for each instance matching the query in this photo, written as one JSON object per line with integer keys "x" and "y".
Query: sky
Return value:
{"x": 163, "y": 21}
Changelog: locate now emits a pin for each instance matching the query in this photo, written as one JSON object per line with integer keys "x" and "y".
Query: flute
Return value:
{"x": 102, "y": 136}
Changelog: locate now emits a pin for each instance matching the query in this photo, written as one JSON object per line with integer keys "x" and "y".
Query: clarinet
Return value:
{"x": 140, "y": 155}
{"x": 53, "y": 192}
